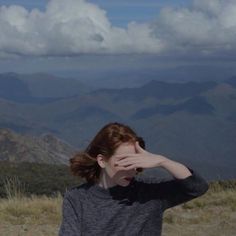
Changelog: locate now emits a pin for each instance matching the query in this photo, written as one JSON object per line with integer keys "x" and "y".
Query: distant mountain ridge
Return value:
{"x": 197, "y": 105}
{"x": 25, "y": 148}
{"x": 193, "y": 122}
{"x": 38, "y": 88}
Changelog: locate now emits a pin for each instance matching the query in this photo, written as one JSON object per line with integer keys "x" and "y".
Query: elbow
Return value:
{"x": 205, "y": 187}
{"x": 199, "y": 190}
{"x": 202, "y": 189}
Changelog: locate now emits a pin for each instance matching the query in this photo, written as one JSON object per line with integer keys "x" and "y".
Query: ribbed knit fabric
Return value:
{"x": 136, "y": 209}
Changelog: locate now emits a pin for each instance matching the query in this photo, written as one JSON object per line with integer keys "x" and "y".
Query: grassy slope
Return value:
{"x": 214, "y": 213}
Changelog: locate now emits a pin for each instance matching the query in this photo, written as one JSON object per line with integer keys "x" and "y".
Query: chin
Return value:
{"x": 124, "y": 182}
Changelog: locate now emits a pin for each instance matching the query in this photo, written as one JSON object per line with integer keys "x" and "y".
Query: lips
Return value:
{"x": 128, "y": 178}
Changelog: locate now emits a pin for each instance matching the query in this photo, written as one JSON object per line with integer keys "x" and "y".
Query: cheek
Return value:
{"x": 115, "y": 169}
{"x": 112, "y": 169}
{"x": 112, "y": 164}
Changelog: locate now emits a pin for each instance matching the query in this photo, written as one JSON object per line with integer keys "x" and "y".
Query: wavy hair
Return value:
{"x": 111, "y": 136}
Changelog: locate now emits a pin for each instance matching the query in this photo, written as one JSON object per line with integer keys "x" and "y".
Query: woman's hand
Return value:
{"x": 141, "y": 159}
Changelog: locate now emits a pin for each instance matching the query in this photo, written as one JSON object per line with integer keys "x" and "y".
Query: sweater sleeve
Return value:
{"x": 70, "y": 225}
{"x": 178, "y": 191}
{"x": 173, "y": 192}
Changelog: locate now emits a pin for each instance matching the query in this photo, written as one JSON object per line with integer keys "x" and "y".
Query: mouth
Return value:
{"x": 128, "y": 178}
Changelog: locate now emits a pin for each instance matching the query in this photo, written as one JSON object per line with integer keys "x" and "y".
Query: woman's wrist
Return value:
{"x": 178, "y": 170}
{"x": 161, "y": 160}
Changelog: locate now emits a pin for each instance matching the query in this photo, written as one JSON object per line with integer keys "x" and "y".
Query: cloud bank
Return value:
{"x": 74, "y": 27}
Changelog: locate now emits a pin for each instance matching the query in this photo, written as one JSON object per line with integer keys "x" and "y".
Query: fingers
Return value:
{"x": 126, "y": 163}
{"x": 129, "y": 160}
{"x": 129, "y": 167}
{"x": 122, "y": 156}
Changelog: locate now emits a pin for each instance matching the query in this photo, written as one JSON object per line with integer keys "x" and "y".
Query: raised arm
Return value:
{"x": 178, "y": 191}
{"x": 186, "y": 185}
{"x": 71, "y": 222}
{"x": 173, "y": 192}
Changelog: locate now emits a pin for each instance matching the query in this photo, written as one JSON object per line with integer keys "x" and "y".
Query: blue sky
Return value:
{"x": 122, "y": 12}
{"x": 119, "y": 12}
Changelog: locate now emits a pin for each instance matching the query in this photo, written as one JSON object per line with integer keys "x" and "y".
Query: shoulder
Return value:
{"x": 76, "y": 192}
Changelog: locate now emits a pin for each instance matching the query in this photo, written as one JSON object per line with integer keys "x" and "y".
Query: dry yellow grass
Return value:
{"x": 214, "y": 213}
{"x": 33, "y": 210}
{"x": 36, "y": 216}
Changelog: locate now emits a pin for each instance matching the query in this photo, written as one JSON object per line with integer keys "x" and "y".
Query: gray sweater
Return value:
{"x": 136, "y": 209}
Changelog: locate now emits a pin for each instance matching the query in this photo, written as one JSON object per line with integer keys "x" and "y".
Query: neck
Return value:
{"x": 105, "y": 181}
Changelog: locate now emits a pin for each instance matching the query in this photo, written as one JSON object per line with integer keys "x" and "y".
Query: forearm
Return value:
{"x": 181, "y": 189}
{"x": 176, "y": 169}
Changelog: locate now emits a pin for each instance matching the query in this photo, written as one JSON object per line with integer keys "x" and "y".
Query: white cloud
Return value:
{"x": 69, "y": 27}
{"x": 72, "y": 27}
{"x": 208, "y": 27}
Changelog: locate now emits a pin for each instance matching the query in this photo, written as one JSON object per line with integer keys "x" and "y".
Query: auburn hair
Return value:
{"x": 107, "y": 140}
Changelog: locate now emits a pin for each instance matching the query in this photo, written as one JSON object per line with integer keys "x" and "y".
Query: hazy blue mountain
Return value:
{"x": 129, "y": 77}
{"x": 159, "y": 90}
{"x": 38, "y": 88}
{"x": 50, "y": 86}
{"x": 13, "y": 88}
{"x": 193, "y": 122}
{"x": 231, "y": 81}
{"x": 195, "y": 105}
{"x": 85, "y": 112}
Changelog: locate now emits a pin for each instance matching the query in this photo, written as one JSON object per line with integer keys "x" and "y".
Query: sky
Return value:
{"x": 73, "y": 35}
{"x": 120, "y": 13}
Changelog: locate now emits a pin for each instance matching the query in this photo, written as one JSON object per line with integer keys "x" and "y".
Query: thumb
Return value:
{"x": 138, "y": 148}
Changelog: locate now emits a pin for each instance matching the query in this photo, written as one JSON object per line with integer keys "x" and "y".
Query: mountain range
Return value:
{"x": 191, "y": 122}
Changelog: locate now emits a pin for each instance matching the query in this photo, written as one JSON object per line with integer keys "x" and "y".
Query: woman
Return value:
{"x": 112, "y": 201}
